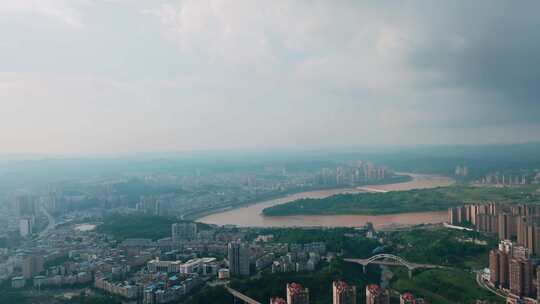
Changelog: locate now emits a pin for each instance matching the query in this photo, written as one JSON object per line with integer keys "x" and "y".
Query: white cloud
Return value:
{"x": 63, "y": 11}
{"x": 307, "y": 42}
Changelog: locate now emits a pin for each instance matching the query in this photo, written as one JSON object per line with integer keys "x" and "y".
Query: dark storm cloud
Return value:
{"x": 489, "y": 46}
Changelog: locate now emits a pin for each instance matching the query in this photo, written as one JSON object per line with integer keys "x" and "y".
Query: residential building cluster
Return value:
{"x": 521, "y": 177}
{"x": 514, "y": 265}
{"x": 461, "y": 171}
{"x": 361, "y": 172}
{"x": 513, "y": 270}
{"x": 300, "y": 257}
{"x": 519, "y": 222}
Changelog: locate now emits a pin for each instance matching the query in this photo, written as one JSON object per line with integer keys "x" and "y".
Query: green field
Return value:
{"x": 436, "y": 199}
{"x": 447, "y": 247}
{"x": 443, "y": 286}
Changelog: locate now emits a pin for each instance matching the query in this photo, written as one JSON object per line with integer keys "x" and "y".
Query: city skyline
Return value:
{"x": 107, "y": 77}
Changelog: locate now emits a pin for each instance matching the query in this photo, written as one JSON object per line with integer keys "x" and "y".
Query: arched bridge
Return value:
{"x": 390, "y": 260}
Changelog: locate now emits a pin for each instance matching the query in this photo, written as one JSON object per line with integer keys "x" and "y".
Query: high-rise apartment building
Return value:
{"x": 453, "y": 216}
{"x": 538, "y": 283}
{"x": 521, "y": 277}
{"x": 152, "y": 205}
{"x": 238, "y": 254}
{"x": 504, "y": 226}
{"x": 376, "y": 295}
{"x": 343, "y": 293}
{"x": 494, "y": 267}
{"x": 499, "y": 266}
{"x": 32, "y": 265}
{"x": 25, "y": 227}
{"x": 296, "y": 294}
{"x": 504, "y": 270}
{"x": 183, "y": 231}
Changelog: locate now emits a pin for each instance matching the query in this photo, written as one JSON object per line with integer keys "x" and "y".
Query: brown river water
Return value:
{"x": 251, "y": 216}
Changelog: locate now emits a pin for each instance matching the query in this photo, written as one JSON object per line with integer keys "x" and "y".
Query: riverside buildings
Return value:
{"x": 517, "y": 226}
{"x": 509, "y": 222}
{"x": 512, "y": 269}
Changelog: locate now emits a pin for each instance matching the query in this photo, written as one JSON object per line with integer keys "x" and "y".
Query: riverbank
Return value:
{"x": 400, "y": 178}
{"x": 395, "y": 202}
{"x": 251, "y": 216}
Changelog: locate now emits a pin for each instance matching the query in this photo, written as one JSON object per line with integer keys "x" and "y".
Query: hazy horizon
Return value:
{"x": 118, "y": 77}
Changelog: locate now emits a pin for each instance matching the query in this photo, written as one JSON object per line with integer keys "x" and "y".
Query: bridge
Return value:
{"x": 391, "y": 260}
{"x": 238, "y": 295}
{"x": 368, "y": 189}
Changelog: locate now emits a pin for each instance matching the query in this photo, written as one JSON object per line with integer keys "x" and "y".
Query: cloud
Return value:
{"x": 236, "y": 73}
{"x": 63, "y": 11}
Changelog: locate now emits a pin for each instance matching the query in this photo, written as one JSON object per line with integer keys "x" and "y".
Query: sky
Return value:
{"x": 130, "y": 76}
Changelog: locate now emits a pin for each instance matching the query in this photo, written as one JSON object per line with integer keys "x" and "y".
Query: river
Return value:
{"x": 251, "y": 216}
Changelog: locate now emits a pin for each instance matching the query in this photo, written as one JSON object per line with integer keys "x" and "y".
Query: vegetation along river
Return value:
{"x": 251, "y": 216}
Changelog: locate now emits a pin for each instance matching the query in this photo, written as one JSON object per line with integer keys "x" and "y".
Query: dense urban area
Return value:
{"x": 269, "y": 152}
{"x": 143, "y": 238}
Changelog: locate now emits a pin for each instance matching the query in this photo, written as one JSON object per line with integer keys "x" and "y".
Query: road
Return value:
{"x": 50, "y": 225}
{"x": 483, "y": 284}
{"x": 241, "y": 296}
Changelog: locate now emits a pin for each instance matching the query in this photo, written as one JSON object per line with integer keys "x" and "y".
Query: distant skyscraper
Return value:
{"x": 151, "y": 205}
{"x": 183, "y": 231}
{"x": 32, "y": 265}
{"x": 238, "y": 259}
{"x": 343, "y": 293}
{"x": 296, "y": 294}
{"x": 375, "y": 295}
{"x": 25, "y": 227}
{"x": 25, "y": 206}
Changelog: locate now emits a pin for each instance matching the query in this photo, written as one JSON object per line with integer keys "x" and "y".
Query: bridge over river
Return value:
{"x": 391, "y": 260}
